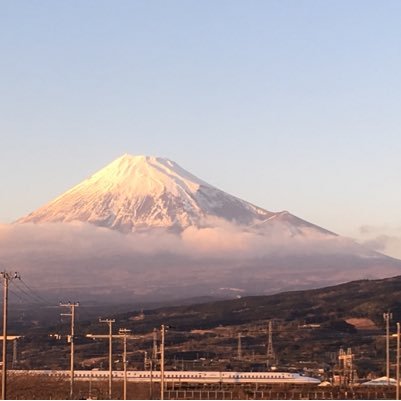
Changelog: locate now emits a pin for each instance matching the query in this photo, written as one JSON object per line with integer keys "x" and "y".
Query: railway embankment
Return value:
{"x": 46, "y": 388}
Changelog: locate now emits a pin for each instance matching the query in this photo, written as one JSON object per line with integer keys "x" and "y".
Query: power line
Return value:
{"x": 27, "y": 295}
{"x": 35, "y": 293}
{"x": 31, "y": 296}
{"x": 15, "y": 294}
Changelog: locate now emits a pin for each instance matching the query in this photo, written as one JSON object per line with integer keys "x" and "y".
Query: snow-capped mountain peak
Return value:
{"x": 135, "y": 192}
{"x": 137, "y": 175}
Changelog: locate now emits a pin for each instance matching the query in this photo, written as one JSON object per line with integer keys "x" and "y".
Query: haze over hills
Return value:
{"x": 144, "y": 228}
{"x": 356, "y": 299}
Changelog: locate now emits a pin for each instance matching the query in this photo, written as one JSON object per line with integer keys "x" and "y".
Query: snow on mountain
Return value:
{"x": 136, "y": 192}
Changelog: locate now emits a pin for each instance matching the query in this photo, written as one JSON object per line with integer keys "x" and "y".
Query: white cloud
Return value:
{"x": 223, "y": 240}
{"x": 60, "y": 255}
{"x": 384, "y": 238}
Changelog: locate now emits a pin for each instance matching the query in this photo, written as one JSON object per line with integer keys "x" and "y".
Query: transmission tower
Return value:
{"x": 239, "y": 348}
{"x": 271, "y": 356}
{"x": 347, "y": 369}
{"x": 154, "y": 351}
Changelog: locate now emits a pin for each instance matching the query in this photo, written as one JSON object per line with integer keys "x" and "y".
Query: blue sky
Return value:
{"x": 291, "y": 105}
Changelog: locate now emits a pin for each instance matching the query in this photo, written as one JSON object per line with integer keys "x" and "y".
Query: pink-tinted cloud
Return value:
{"x": 197, "y": 261}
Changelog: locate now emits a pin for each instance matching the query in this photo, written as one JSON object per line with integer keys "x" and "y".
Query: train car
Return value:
{"x": 181, "y": 376}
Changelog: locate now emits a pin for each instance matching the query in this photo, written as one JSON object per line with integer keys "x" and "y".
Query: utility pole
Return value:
{"x": 397, "y": 397}
{"x": 151, "y": 380}
{"x": 72, "y": 306}
{"x": 387, "y": 317}
{"x": 124, "y": 333}
{"x": 162, "y": 363}
{"x": 270, "y": 352}
{"x": 110, "y": 324}
{"x": 7, "y": 277}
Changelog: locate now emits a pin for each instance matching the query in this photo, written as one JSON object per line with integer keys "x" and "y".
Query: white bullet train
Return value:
{"x": 181, "y": 376}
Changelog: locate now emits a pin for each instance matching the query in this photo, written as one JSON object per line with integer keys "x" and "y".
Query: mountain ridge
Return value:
{"x": 354, "y": 299}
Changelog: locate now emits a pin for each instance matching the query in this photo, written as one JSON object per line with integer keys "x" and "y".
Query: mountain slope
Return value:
{"x": 356, "y": 299}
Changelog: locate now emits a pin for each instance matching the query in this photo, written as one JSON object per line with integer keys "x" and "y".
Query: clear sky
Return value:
{"x": 291, "y": 105}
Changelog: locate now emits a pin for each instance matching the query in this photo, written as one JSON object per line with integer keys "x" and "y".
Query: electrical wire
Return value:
{"x": 15, "y": 294}
{"x": 36, "y": 294}
{"x": 29, "y": 297}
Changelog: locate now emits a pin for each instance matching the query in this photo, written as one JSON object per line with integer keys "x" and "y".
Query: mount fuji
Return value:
{"x": 142, "y": 192}
{"x": 144, "y": 228}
